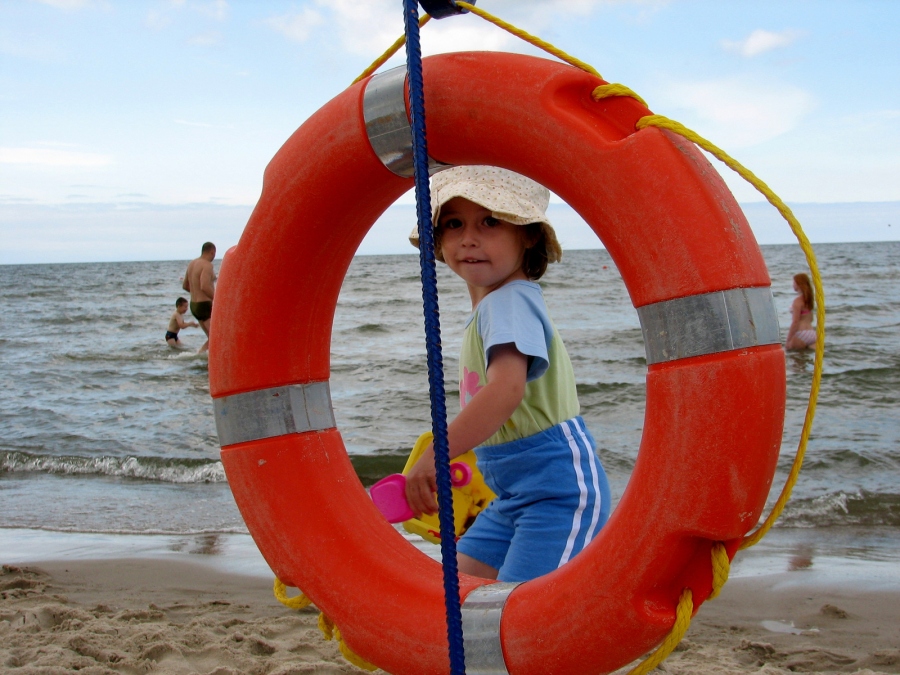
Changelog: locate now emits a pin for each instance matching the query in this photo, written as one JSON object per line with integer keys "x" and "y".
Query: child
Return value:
{"x": 801, "y": 335}
{"x": 177, "y": 322}
{"x": 519, "y": 408}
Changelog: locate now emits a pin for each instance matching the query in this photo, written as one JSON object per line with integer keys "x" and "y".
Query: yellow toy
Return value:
{"x": 468, "y": 500}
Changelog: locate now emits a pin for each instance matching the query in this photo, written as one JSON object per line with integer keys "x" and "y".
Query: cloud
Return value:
{"x": 760, "y": 41}
{"x": 156, "y": 20}
{"x": 737, "y": 113}
{"x": 67, "y": 5}
{"x": 203, "y": 125}
{"x": 207, "y": 39}
{"x": 296, "y": 26}
{"x": 31, "y": 47}
{"x": 47, "y": 157}
{"x": 162, "y": 16}
{"x": 217, "y": 9}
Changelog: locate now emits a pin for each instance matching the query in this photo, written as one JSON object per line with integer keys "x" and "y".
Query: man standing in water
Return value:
{"x": 200, "y": 282}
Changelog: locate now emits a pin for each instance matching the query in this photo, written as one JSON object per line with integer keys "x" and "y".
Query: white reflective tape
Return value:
{"x": 387, "y": 124}
{"x": 709, "y": 323}
{"x": 482, "y": 613}
{"x": 265, "y": 413}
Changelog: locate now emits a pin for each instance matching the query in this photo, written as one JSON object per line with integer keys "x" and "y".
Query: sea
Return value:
{"x": 108, "y": 444}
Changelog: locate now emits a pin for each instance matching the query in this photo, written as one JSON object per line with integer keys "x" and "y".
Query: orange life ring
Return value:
{"x": 715, "y": 380}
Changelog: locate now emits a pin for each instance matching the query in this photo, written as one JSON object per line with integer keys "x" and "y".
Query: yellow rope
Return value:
{"x": 609, "y": 90}
{"x": 331, "y": 631}
{"x": 393, "y": 49}
{"x": 297, "y": 602}
{"x": 682, "y": 621}
{"x": 787, "y": 214}
{"x": 326, "y": 625}
{"x": 529, "y": 38}
{"x": 721, "y": 567}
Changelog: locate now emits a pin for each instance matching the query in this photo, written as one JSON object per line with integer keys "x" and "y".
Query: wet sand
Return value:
{"x": 152, "y": 615}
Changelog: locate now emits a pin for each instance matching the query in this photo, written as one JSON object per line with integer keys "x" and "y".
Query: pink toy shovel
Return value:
{"x": 389, "y": 494}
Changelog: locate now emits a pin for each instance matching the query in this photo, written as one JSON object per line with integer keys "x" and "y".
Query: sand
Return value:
{"x": 151, "y": 615}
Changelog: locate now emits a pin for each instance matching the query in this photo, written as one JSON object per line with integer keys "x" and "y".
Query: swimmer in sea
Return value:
{"x": 801, "y": 335}
{"x": 177, "y": 322}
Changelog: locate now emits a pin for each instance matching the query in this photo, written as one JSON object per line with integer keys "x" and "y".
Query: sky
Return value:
{"x": 137, "y": 130}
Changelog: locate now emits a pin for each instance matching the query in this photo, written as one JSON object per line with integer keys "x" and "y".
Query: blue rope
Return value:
{"x": 433, "y": 338}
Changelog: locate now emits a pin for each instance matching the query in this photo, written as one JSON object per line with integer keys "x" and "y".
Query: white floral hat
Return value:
{"x": 507, "y": 195}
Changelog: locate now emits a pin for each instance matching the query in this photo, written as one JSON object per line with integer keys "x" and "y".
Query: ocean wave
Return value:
{"x": 841, "y": 509}
{"x": 372, "y": 328}
{"x": 150, "y": 352}
{"x": 165, "y": 470}
{"x": 240, "y": 529}
{"x": 610, "y": 394}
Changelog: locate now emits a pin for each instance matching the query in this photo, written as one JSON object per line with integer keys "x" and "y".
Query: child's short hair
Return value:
{"x": 180, "y": 301}
{"x": 543, "y": 252}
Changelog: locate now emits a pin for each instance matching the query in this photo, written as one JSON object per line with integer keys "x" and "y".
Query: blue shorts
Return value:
{"x": 552, "y": 499}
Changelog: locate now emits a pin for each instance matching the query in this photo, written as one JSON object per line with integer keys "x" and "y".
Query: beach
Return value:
{"x": 181, "y": 612}
{"x": 125, "y": 551}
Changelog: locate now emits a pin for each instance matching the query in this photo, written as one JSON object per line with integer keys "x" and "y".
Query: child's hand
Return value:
{"x": 421, "y": 484}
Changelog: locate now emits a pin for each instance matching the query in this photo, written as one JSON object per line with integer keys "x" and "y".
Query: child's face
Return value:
{"x": 486, "y": 252}
{"x": 182, "y": 308}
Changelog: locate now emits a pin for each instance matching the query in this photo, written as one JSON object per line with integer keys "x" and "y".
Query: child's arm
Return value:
{"x": 179, "y": 319}
{"x": 479, "y": 420}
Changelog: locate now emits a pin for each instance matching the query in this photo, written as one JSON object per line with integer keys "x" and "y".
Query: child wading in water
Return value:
{"x": 519, "y": 408}
{"x": 177, "y": 322}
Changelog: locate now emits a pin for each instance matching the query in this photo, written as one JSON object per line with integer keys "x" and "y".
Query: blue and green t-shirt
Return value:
{"x": 516, "y": 313}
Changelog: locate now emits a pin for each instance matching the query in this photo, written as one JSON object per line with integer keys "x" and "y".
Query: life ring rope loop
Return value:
{"x": 683, "y": 613}
{"x": 326, "y": 625}
{"x": 331, "y": 632}
{"x": 297, "y": 602}
{"x": 684, "y": 610}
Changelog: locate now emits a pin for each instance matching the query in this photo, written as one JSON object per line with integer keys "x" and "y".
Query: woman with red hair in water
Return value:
{"x": 801, "y": 334}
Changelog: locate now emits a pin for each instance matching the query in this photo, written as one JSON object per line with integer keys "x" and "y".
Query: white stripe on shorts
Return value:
{"x": 595, "y": 481}
{"x": 582, "y": 498}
